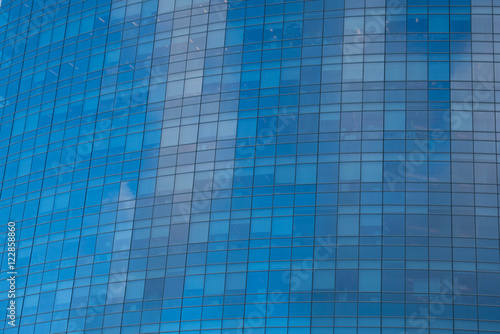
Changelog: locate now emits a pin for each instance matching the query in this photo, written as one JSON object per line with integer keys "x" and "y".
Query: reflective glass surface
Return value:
{"x": 251, "y": 167}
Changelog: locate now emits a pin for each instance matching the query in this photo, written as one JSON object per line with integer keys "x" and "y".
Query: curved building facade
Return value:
{"x": 250, "y": 167}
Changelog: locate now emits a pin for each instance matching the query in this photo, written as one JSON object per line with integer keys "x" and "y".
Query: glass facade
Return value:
{"x": 251, "y": 167}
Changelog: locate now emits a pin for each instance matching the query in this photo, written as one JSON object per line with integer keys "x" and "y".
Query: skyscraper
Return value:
{"x": 260, "y": 166}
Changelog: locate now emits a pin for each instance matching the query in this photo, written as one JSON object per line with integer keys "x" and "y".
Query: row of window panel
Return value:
{"x": 373, "y": 71}
{"x": 262, "y": 207}
{"x": 276, "y": 258}
{"x": 287, "y": 122}
{"x": 390, "y": 226}
{"x": 282, "y": 202}
{"x": 422, "y": 150}
{"x": 339, "y": 281}
{"x": 156, "y": 267}
{"x": 410, "y": 152}
{"x": 264, "y": 178}
{"x": 252, "y": 81}
{"x": 329, "y": 50}
{"x": 113, "y": 57}
{"x": 440, "y": 25}
{"x": 382, "y": 255}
